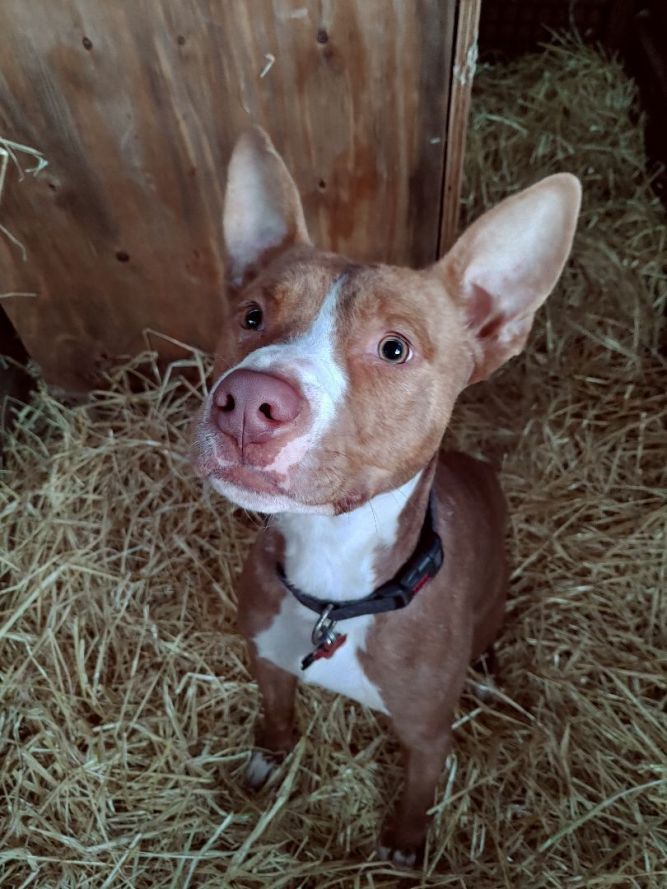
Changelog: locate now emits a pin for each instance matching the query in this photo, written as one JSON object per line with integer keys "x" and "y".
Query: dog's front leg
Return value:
{"x": 275, "y": 736}
{"x": 403, "y": 840}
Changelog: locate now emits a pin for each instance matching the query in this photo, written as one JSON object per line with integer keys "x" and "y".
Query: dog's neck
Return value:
{"x": 347, "y": 556}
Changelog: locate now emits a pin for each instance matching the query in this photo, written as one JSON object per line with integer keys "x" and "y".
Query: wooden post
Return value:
{"x": 465, "y": 62}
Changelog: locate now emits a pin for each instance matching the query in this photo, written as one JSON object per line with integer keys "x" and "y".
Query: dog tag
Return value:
{"x": 325, "y": 639}
{"x": 326, "y": 649}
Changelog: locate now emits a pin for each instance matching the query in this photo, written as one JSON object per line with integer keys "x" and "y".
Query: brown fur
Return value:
{"x": 418, "y": 656}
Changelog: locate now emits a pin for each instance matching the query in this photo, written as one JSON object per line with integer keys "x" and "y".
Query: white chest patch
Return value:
{"x": 288, "y": 640}
{"x": 331, "y": 557}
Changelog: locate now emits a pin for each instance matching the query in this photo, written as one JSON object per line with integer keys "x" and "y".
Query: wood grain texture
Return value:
{"x": 136, "y": 106}
{"x": 465, "y": 62}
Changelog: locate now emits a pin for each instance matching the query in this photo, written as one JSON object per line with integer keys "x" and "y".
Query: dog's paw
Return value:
{"x": 399, "y": 857}
{"x": 261, "y": 766}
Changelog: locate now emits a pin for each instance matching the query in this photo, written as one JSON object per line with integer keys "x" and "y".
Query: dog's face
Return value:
{"x": 334, "y": 381}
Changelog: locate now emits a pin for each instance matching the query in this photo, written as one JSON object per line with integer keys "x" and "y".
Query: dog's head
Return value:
{"x": 334, "y": 380}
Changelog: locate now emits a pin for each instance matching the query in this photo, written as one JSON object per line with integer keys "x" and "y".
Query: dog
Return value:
{"x": 381, "y": 574}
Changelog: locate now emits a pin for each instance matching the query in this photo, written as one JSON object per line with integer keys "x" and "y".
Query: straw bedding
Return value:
{"x": 127, "y": 709}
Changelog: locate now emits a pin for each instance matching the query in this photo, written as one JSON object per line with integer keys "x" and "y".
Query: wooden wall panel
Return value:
{"x": 463, "y": 73}
{"x": 136, "y": 106}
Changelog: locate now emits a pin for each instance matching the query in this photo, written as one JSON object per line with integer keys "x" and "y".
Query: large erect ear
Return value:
{"x": 263, "y": 212}
{"x": 504, "y": 266}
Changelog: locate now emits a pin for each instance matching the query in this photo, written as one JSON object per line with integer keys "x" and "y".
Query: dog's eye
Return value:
{"x": 253, "y": 317}
{"x": 394, "y": 349}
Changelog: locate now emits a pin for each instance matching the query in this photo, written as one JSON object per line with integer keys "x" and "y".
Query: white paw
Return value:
{"x": 259, "y": 769}
{"x": 397, "y": 856}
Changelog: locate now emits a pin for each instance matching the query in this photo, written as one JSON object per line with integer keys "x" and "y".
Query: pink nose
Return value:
{"x": 252, "y": 406}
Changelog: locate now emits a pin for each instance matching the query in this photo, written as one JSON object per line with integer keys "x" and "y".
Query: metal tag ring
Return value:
{"x": 323, "y": 626}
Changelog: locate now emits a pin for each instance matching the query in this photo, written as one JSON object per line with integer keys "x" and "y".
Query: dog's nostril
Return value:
{"x": 230, "y": 404}
{"x": 266, "y": 410}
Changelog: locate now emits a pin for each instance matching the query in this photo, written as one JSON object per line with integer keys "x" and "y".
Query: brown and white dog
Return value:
{"x": 334, "y": 383}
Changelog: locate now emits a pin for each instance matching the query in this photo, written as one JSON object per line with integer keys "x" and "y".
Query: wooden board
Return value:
{"x": 136, "y": 106}
{"x": 463, "y": 73}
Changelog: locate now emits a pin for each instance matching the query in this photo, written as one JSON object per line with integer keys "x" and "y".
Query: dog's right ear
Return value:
{"x": 504, "y": 266}
{"x": 263, "y": 213}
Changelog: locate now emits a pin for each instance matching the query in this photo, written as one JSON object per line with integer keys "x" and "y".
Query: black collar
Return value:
{"x": 422, "y": 566}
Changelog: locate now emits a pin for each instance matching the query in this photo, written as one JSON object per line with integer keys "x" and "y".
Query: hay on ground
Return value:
{"x": 127, "y": 708}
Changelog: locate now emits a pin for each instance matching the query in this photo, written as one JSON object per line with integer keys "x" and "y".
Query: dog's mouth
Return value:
{"x": 255, "y": 479}
{"x": 249, "y": 478}
{"x": 270, "y": 500}
{"x": 256, "y": 489}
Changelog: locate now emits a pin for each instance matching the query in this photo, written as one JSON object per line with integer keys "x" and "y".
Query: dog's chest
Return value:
{"x": 333, "y": 559}
{"x": 288, "y": 639}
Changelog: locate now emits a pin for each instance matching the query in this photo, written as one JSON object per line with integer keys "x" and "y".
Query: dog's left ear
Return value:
{"x": 504, "y": 266}
{"x": 263, "y": 213}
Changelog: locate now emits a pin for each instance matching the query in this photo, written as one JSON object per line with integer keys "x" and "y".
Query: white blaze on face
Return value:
{"x": 311, "y": 360}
